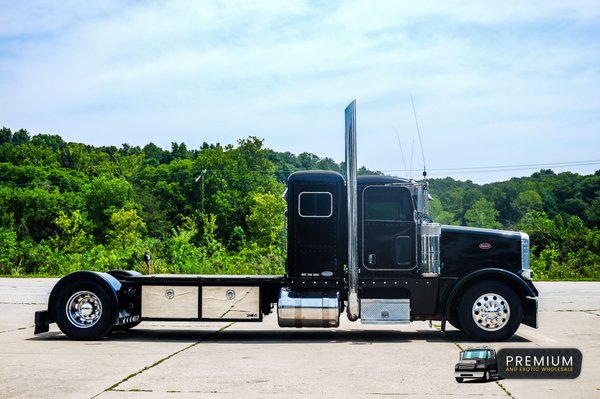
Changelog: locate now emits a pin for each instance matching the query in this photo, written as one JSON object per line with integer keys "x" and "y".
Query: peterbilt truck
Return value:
{"x": 363, "y": 245}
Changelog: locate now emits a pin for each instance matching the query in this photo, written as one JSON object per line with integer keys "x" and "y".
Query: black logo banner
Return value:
{"x": 539, "y": 363}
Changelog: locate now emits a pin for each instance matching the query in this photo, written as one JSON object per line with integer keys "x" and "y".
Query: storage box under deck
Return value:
{"x": 210, "y": 298}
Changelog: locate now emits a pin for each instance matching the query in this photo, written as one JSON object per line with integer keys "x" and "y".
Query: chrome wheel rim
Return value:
{"x": 84, "y": 309}
{"x": 491, "y": 312}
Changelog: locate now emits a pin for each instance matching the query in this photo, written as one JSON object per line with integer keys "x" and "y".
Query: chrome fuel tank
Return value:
{"x": 308, "y": 308}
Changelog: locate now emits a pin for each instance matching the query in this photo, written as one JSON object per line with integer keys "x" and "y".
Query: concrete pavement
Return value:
{"x": 222, "y": 360}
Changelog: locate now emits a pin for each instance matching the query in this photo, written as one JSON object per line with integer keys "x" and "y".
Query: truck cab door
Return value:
{"x": 388, "y": 229}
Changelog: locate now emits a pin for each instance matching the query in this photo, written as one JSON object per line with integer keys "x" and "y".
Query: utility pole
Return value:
{"x": 201, "y": 178}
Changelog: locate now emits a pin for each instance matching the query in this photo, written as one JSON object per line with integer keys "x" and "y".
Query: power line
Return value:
{"x": 507, "y": 168}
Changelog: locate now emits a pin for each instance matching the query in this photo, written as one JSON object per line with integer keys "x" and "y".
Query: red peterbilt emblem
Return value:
{"x": 485, "y": 245}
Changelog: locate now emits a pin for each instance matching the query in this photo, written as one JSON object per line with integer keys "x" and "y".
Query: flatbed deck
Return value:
{"x": 207, "y": 279}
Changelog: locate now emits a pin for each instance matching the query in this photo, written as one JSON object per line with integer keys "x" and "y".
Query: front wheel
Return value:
{"x": 490, "y": 311}
{"x": 459, "y": 379}
{"x": 453, "y": 320}
{"x": 486, "y": 376}
{"x": 84, "y": 310}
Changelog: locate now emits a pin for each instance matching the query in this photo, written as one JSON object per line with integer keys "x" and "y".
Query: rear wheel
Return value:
{"x": 490, "y": 311}
{"x": 84, "y": 310}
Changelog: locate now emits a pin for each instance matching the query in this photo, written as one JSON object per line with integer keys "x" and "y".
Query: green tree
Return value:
{"x": 105, "y": 195}
{"x": 154, "y": 213}
{"x": 126, "y": 229}
{"x": 237, "y": 240}
{"x": 233, "y": 175}
{"x": 482, "y": 214}
{"x": 265, "y": 220}
{"x": 542, "y": 231}
{"x": 527, "y": 201}
{"x": 73, "y": 238}
{"x": 593, "y": 212}
{"x": 210, "y": 243}
{"x": 154, "y": 155}
{"x": 8, "y": 254}
{"x": 438, "y": 214}
{"x": 5, "y": 135}
{"x": 21, "y": 136}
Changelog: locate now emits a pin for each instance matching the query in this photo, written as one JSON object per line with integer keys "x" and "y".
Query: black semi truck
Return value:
{"x": 365, "y": 245}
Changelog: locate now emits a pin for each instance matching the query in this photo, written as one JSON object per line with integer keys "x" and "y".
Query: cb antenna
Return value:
{"x": 412, "y": 153}
{"x": 401, "y": 151}
{"x": 419, "y": 133}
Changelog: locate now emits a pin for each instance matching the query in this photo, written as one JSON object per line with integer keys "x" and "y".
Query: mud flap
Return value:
{"x": 530, "y": 312}
{"x": 42, "y": 324}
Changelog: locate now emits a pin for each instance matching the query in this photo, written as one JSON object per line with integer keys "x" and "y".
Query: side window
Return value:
{"x": 315, "y": 204}
{"x": 388, "y": 203}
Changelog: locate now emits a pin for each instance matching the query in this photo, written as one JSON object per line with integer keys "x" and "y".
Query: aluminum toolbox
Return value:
{"x": 385, "y": 311}
{"x": 169, "y": 302}
{"x": 231, "y": 302}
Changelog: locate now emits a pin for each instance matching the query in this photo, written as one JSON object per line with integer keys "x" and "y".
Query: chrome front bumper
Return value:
{"x": 469, "y": 374}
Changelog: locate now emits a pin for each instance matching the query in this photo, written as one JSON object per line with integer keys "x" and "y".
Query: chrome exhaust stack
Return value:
{"x": 353, "y": 309}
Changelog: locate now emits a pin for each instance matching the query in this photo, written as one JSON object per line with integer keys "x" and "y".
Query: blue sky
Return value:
{"x": 494, "y": 83}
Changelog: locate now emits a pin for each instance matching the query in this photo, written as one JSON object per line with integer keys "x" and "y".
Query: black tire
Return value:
{"x": 459, "y": 379}
{"x": 84, "y": 310}
{"x": 486, "y": 376}
{"x": 454, "y": 320}
{"x": 508, "y": 318}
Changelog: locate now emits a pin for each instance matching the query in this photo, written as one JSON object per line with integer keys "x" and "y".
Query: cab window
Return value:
{"x": 315, "y": 204}
{"x": 388, "y": 203}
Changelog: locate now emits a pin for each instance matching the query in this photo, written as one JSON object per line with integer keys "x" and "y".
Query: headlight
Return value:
{"x": 527, "y": 274}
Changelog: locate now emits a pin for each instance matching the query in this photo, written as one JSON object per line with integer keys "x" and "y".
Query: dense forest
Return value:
{"x": 219, "y": 209}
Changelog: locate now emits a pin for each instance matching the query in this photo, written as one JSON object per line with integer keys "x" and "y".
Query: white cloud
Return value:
{"x": 192, "y": 71}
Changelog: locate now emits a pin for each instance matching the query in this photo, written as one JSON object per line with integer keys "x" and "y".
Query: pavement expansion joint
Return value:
{"x": 16, "y": 329}
{"x": 164, "y": 359}
{"x": 504, "y": 389}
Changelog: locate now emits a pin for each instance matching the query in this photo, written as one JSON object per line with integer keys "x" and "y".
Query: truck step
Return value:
{"x": 385, "y": 311}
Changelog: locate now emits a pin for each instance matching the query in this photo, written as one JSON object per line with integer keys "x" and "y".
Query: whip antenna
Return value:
{"x": 412, "y": 152}
{"x": 419, "y": 133}
{"x": 401, "y": 151}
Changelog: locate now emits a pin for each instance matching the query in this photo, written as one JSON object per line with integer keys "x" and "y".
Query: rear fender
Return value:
{"x": 111, "y": 284}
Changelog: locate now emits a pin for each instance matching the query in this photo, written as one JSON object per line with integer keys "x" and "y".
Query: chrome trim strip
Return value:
{"x": 480, "y": 230}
